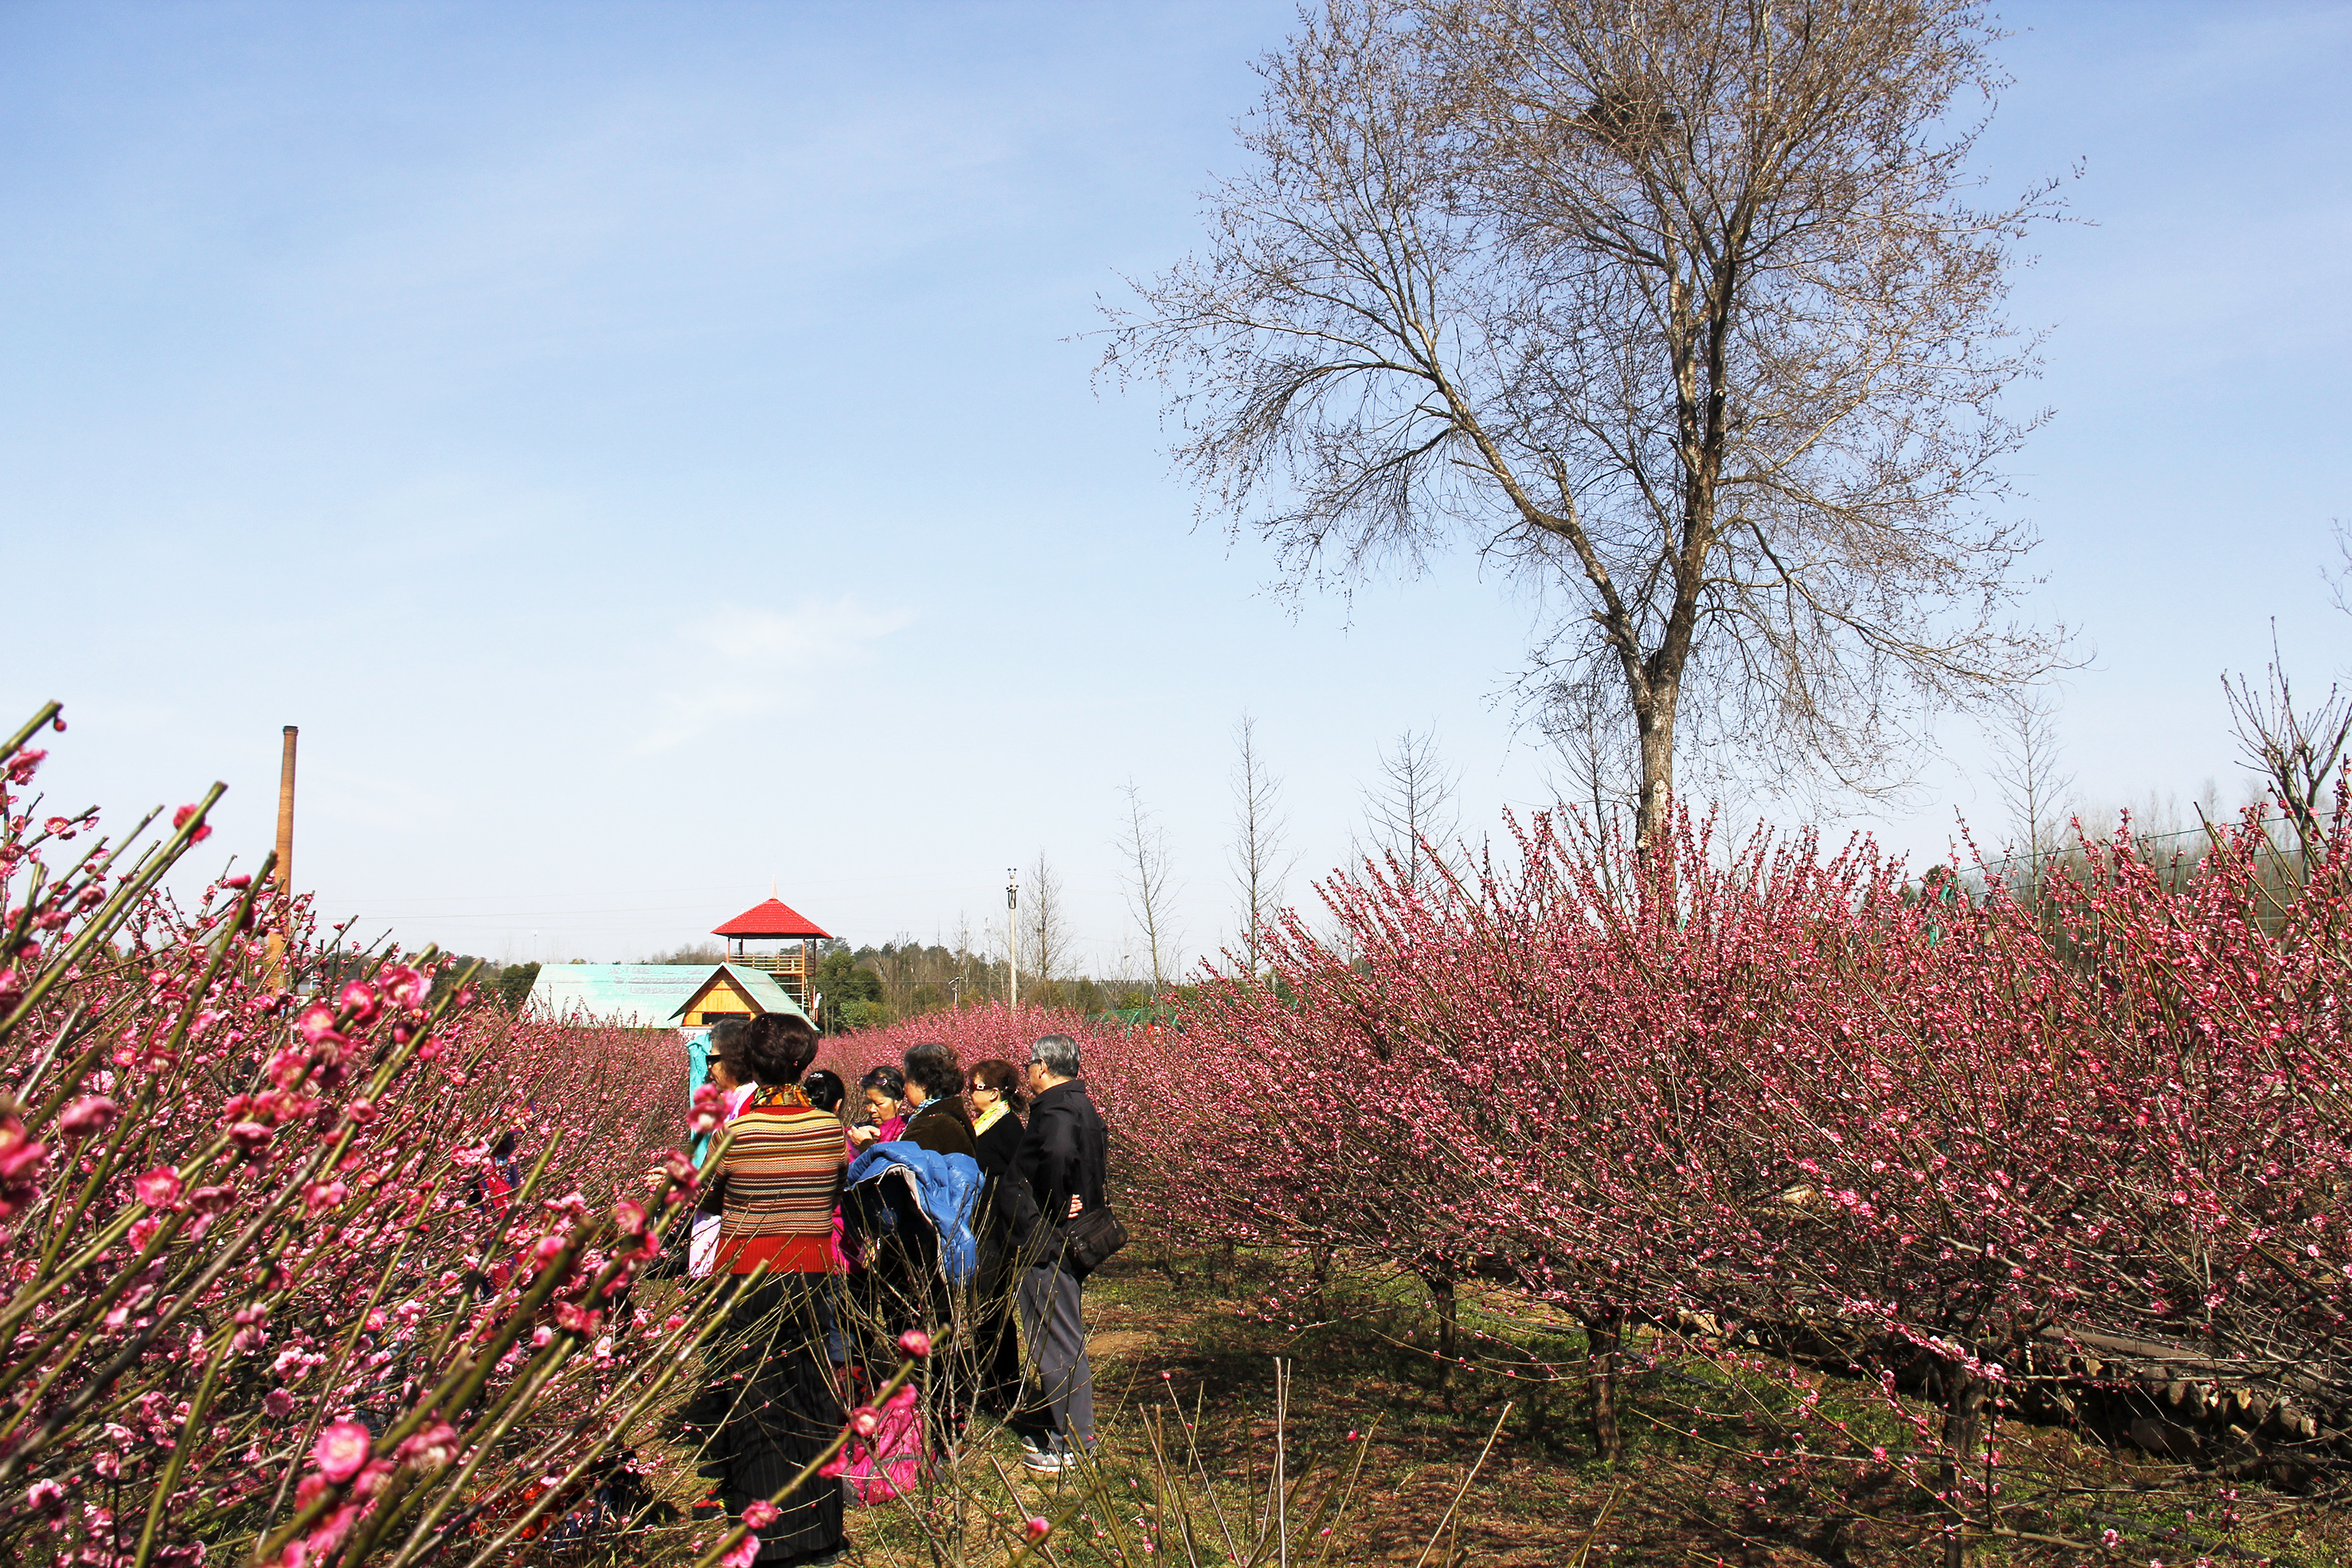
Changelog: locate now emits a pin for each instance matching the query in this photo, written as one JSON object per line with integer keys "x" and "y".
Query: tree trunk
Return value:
{"x": 1655, "y": 728}
{"x": 1964, "y": 1404}
{"x": 1604, "y": 1335}
{"x": 1441, "y": 1292}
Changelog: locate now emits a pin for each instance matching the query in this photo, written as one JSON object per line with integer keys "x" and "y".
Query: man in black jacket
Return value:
{"x": 1061, "y": 1164}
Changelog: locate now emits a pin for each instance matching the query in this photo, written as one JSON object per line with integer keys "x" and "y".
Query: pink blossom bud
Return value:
{"x": 743, "y": 1553}
{"x": 915, "y": 1343}
{"x": 341, "y": 1450}
{"x": 1035, "y": 1530}
{"x": 630, "y": 1216}
{"x": 760, "y": 1514}
{"x": 158, "y": 1188}
{"x": 90, "y": 1114}
{"x": 359, "y": 999}
{"x": 866, "y": 1420}
{"x": 404, "y": 987}
{"x": 433, "y": 1446}
{"x": 316, "y": 1023}
{"x": 180, "y": 820}
{"x": 12, "y": 988}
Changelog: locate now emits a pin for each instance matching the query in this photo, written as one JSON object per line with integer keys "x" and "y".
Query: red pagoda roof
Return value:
{"x": 771, "y": 919}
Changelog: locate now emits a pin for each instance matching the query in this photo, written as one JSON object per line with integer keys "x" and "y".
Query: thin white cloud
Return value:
{"x": 760, "y": 651}
{"x": 812, "y": 633}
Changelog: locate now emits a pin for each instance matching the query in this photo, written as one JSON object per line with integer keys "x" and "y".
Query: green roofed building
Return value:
{"x": 654, "y": 996}
{"x": 632, "y": 995}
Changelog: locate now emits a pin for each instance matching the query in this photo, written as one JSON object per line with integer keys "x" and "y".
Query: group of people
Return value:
{"x": 930, "y": 1205}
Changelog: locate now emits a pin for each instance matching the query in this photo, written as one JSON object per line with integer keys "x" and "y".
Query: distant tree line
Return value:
{"x": 869, "y": 986}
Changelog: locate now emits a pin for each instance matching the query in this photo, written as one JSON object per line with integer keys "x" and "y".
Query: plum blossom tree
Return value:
{"x": 304, "y": 1274}
{"x": 1770, "y": 1098}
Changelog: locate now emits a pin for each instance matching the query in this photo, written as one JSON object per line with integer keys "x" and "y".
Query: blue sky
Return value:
{"x": 650, "y": 450}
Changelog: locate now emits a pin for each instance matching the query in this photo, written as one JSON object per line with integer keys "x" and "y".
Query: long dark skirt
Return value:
{"x": 769, "y": 1409}
{"x": 903, "y": 1288}
{"x": 996, "y": 1347}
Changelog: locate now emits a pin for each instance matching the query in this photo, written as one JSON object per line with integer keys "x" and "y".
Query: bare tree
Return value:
{"x": 2032, "y": 785}
{"x": 1410, "y": 814}
{"x": 1261, "y": 863}
{"x": 2339, "y": 576}
{"x": 1045, "y": 938}
{"x": 2297, "y": 751}
{"x": 1676, "y": 307}
{"x": 1575, "y": 720}
{"x": 1143, "y": 873}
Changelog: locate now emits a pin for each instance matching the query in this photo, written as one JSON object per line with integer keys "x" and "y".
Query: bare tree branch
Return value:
{"x": 2298, "y": 751}
{"x": 1678, "y": 308}
{"x": 1410, "y": 813}
{"x": 1046, "y": 936}
{"x": 2032, "y": 785}
{"x": 1260, "y": 862}
{"x": 1143, "y": 873}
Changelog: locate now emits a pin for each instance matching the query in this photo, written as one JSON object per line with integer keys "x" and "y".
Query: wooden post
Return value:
{"x": 284, "y": 874}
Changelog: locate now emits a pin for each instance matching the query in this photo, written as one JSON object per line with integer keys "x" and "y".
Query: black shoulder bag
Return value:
{"x": 1093, "y": 1238}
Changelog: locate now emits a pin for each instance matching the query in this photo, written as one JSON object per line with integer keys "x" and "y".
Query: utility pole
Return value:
{"x": 1013, "y": 930}
{"x": 284, "y": 894}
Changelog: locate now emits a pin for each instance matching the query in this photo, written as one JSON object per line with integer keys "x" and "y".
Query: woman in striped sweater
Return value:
{"x": 769, "y": 1406}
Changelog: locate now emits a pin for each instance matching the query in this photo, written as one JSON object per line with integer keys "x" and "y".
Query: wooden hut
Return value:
{"x": 791, "y": 964}
{"x": 734, "y": 990}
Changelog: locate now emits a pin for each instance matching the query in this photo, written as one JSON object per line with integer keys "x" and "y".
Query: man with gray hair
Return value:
{"x": 1061, "y": 1163}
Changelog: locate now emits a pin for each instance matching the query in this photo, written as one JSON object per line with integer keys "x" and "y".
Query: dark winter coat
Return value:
{"x": 1064, "y": 1152}
{"x": 939, "y": 1127}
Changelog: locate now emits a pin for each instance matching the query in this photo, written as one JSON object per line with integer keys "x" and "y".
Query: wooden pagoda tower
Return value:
{"x": 775, "y": 921}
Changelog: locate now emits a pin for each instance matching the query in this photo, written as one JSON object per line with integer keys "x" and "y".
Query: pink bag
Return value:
{"x": 889, "y": 1464}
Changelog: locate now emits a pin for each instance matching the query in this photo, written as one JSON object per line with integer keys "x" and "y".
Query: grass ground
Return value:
{"x": 1181, "y": 1339}
{"x": 1686, "y": 1492}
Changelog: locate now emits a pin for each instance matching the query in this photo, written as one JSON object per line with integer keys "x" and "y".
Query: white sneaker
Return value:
{"x": 1041, "y": 1462}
